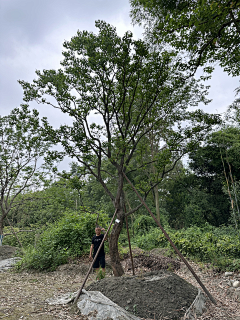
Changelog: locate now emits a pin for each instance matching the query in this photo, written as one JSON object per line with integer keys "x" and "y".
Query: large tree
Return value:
{"x": 209, "y": 30}
{"x": 131, "y": 90}
{"x": 24, "y": 161}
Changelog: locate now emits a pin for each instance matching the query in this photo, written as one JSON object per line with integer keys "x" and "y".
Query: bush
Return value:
{"x": 143, "y": 224}
{"x": 26, "y": 238}
{"x": 69, "y": 237}
{"x": 218, "y": 246}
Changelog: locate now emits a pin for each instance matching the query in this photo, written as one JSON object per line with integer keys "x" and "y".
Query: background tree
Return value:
{"x": 208, "y": 30}
{"x": 132, "y": 90}
{"x": 206, "y": 159}
{"x": 24, "y": 161}
{"x": 199, "y": 194}
{"x": 46, "y": 205}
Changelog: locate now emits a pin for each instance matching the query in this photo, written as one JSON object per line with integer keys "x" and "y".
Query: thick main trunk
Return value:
{"x": 113, "y": 247}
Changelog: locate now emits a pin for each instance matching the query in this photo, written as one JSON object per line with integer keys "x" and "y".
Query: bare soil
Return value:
{"x": 156, "y": 295}
{"x": 23, "y": 295}
{"x": 151, "y": 262}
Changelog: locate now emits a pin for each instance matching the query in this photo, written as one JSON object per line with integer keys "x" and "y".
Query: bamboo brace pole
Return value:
{"x": 94, "y": 259}
{"x": 172, "y": 244}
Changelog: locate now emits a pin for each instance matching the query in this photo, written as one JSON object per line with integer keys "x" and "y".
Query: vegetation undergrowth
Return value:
{"x": 218, "y": 246}
{"x": 69, "y": 237}
{"x": 26, "y": 238}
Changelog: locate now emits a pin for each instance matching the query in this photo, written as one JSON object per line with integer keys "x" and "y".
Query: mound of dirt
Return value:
{"x": 6, "y": 252}
{"x": 151, "y": 263}
{"x": 156, "y": 295}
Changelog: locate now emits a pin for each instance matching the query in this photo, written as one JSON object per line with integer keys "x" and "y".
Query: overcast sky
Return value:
{"x": 32, "y": 33}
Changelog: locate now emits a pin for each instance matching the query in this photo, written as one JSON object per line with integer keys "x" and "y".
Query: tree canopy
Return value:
{"x": 24, "y": 161}
{"x": 209, "y": 30}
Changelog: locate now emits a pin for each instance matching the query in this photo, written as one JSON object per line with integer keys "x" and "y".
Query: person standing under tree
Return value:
{"x": 96, "y": 241}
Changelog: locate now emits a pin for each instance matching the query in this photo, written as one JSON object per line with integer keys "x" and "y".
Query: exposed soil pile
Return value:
{"x": 156, "y": 295}
{"x": 151, "y": 263}
{"x": 7, "y": 252}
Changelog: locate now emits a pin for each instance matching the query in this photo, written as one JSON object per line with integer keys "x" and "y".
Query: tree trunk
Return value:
{"x": 113, "y": 248}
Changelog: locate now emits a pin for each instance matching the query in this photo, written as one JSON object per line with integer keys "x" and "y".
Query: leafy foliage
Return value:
{"x": 24, "y": 158}
{"x": 200, "y": 194}
{"x": 26, "y": 238}
{"x": 144, "y": 223}
{"x": 46, "y": 205}
{"x": 69, "y": 237}
{"x": 217, "y": 246}
{"x": 131, "y": 88}
{"x": 208, "y": 30}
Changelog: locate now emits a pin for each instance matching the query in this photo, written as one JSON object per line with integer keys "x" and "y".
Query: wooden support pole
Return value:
{"x": 172, "y": 244}
{"x": 94, "y": 259}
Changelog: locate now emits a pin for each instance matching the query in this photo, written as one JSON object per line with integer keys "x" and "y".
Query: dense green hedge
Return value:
{"x": 218, "y": 246}
{"x": 69, "y": 237}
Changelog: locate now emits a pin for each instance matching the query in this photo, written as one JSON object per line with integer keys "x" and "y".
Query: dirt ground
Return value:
{"x": 23, "y": 295}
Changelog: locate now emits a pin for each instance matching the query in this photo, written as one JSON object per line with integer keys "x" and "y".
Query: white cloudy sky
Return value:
{"x": 32, "y": 33}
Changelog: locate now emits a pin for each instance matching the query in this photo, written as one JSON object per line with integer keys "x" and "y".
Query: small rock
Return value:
{"x": 8, "y": 263}
{"x": 228, "y": 274}
{"x": 236, "y": 284}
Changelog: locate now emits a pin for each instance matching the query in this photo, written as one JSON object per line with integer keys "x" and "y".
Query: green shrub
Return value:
{"x": 218, "y": 246}
{"x": 69, "y": 237}
{"x": 155, "y": 238}
{"x": 143, "y": 224}
{"x": 26, "y": 238}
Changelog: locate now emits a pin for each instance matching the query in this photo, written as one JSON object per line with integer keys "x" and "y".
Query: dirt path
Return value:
{"x": 23, "y": 295}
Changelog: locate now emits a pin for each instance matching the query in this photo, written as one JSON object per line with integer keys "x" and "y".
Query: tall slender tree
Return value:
{"x": 24, "y": 161}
